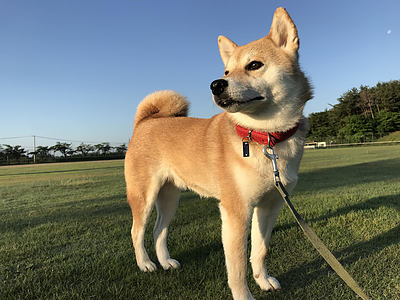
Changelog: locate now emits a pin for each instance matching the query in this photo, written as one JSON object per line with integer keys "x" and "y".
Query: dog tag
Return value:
{"x": 246, "y": 149}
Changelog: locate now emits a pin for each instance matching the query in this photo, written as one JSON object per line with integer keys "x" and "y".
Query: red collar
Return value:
{"x": 265, "y": 138}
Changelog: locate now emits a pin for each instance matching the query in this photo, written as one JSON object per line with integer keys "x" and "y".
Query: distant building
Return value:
{"x": 315, "y": 145}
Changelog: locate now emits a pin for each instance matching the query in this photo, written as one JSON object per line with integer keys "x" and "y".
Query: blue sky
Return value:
{"x": 76, "y": 70}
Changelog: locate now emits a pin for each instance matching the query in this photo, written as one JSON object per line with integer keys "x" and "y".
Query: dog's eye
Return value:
{"x": 254, "y": 65}
{"x": 226, "y": 72}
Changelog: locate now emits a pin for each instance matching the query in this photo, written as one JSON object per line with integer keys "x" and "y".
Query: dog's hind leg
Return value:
{"x": 166, "y": 204}
{"x": 264, "y": 217}
{"x": 141, "y": 205}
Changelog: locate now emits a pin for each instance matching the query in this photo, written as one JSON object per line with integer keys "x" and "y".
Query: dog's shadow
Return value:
{"x": 347, "y": 256}
{"x": 328, "y": 178}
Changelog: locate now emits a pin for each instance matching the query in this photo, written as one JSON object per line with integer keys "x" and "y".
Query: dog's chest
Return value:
{"x": 254, "y": 174}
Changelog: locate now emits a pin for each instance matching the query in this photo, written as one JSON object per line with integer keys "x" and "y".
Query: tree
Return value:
{"x": 121, "y": 149}
{"x": 357, "y": 128}
{"x": 103, "y": 148}
{"x": 15, "y": 152}
{"x": 70, "y": 152}
{"x": 1, "y": 153}
{"x": 366, "y": 102}
{"x": 360, "y": 113}
{"x": 63, "y": 148}
{"x": 8, "y": 151}
{"x": 388, "y": 95}
{"x": 323, "y": 125}
{"x": 84, "y": 149}
{"x": 348, "y": 104}
{"x": 387, "y": 122}
{"x": 43, "y": 151}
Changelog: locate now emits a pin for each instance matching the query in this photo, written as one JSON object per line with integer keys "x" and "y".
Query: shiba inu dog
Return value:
{"x": 263, "y": 93}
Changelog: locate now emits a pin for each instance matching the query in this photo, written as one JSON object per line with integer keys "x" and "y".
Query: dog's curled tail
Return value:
{"x": 162, "y": 104}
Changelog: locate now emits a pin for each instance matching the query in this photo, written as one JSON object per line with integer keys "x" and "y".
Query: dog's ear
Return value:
{"x": 226, "y": 47}
{"x": 283, "y": 31}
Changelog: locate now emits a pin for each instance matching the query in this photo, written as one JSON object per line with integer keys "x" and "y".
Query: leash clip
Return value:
{"x": 273, "y": 157}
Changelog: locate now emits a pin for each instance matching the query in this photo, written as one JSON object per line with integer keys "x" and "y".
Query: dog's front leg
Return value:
{"x": 234, "y": 239}
{"x": 264, "y": 217}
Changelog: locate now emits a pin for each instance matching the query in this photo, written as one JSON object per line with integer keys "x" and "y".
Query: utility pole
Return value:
{"x": 34, "y": 149}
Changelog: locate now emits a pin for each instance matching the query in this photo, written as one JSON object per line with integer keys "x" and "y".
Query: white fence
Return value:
{"x": 324, "y": 145}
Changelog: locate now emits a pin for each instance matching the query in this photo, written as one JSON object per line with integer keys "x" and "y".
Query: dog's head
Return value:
{"x": 263, "y": 76}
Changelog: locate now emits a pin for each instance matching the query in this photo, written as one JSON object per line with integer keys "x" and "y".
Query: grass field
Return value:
{"x": 65, "y": 233}
{"x": 394, "y": 136}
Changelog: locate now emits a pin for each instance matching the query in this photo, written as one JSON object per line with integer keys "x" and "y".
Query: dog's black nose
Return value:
{"x": 218, "y": 86}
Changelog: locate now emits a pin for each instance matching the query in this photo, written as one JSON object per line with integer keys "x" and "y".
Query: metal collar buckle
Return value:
{"x": 249, "y": 136}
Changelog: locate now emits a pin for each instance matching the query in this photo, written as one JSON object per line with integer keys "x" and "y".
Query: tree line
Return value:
{"x": 361, "y": 115}
{"x": 60, "y": 152}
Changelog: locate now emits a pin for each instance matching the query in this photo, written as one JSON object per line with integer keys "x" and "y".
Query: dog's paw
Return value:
{"x": 268, "y": 283}
{"x": 170, "y": 263}
{"x": 147, "y": 266}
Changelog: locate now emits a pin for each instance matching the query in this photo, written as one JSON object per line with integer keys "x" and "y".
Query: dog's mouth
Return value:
{"x": 229, "y": 102}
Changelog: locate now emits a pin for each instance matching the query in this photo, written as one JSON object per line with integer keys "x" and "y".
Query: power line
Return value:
{"x": 58, "y": 139}
{"x": 15, "y": 137}
{"x": 73, "y": 141}
{"x": 66, "y": 140}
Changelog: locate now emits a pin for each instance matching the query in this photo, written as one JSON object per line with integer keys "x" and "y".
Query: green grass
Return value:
{"x": 394, "y": 136}
{"x": 65, "y": 233}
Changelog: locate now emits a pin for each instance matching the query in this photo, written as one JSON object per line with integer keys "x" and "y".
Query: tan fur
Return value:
{"x": 169, "y": 152}
{"x": 162, "y": 104}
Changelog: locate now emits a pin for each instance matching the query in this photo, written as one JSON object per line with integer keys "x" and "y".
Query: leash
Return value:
{"x": 309, "y": 232}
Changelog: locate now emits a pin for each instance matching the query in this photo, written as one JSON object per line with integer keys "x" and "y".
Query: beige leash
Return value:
{"x": 309, "y": 232}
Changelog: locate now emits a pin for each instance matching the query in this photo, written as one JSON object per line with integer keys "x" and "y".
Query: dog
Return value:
{"x": 262, "y": 92}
